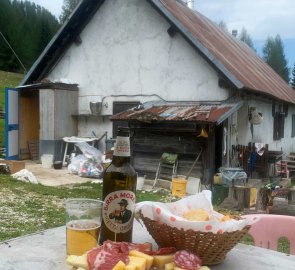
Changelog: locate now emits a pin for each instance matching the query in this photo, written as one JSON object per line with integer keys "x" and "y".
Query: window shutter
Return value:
{"x": 275, "y": 127}
{"x": 281, "y": 125}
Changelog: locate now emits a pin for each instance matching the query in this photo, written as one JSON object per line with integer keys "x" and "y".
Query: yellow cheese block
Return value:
{"x": 119, "y": 266}
{"x": 78, "y": 261}
{"x": 161, "y": 260}
{"x": 149, "y": 259}
{"x": 140, "y": 263}
{"x": 169, "y": 266}
{"x": 130, "y": 267}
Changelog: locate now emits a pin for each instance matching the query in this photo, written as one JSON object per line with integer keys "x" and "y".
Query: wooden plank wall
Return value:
{"x": 148, "y": 145}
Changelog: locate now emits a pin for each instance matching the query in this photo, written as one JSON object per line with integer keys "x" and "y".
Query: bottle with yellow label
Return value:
{"x": 119, "y": 187}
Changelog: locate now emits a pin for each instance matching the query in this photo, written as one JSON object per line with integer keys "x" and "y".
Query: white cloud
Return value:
{"x": 261, "y": 18}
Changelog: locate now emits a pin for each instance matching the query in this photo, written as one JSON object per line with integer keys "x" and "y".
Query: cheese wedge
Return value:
{"x": 149, "y": 259}
{"x": 119, "y": 266}
{"x": 169, "y": 266}
{"x": 140, "y": 263}
{"x": 161, "y": 260}
{"x": 78, "y": 261}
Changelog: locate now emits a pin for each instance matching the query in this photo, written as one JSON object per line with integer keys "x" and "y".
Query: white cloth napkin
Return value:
{"x": 171, "y": 214}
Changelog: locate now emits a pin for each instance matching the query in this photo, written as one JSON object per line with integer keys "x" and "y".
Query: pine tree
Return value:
{"x": 245, "y": 37}
{"x": 293, "y": 77}
{"x": 67, "y": 9}
{"x": 273, "y": 54}
{"x": 27, "y": 28}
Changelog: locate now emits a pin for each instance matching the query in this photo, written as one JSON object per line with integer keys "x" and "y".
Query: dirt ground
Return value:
{"x": 52, "y": 177}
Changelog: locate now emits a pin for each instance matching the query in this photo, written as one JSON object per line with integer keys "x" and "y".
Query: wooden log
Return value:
{"x": 242, "y": 195}
{"x": 262, "y": 199}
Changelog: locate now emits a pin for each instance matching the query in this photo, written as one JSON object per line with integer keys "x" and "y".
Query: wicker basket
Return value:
{"x": 211, "y": 248}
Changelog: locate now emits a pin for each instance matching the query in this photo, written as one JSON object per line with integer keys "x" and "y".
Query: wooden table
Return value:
{"x": 46, "y": 251}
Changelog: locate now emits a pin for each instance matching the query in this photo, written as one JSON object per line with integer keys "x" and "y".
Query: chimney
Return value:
{"x": 190, "y": 3}
{"x": 234, "y": 32}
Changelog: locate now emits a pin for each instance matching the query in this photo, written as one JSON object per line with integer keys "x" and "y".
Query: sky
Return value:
{"x": 261, "y": 19}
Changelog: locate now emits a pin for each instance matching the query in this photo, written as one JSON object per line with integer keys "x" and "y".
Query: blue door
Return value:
{"x": 12, "y": 123}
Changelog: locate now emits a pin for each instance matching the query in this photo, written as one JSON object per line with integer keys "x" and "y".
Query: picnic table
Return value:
{"x": 47, "y": 251}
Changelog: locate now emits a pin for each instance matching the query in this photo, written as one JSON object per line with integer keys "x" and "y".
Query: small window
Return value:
{"x": 293, "y": 126}
{"x": 278, "y": 126}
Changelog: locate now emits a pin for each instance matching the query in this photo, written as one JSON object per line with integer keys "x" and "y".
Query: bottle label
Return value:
{"x": 122, "y": 147}
{"x": 118, "y": 211}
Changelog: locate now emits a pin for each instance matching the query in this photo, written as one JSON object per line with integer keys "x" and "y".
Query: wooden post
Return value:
{"x": 242, "y": 195}
{"x": 262, "y": 199}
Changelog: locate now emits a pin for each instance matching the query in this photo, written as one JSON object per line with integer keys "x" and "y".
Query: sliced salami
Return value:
{"x": 106, "y": 256}
{"x": 187, "y": 260}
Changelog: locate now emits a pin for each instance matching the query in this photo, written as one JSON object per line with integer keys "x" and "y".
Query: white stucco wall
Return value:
{"x": 126, "y": 50}
{"x": 264, "y": 132}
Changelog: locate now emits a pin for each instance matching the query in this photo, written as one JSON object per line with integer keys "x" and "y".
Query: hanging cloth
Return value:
{"x": 253, "y": 159}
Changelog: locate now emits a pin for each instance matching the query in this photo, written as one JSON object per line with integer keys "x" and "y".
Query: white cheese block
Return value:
{"x": 78, "y": 261}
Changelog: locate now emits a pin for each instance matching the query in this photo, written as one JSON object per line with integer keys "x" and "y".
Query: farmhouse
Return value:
{"x": 194, "y": 85}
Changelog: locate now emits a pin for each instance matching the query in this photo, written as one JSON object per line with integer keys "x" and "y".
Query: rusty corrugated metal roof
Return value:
{"x": 208, "y": 113}
{"x": 238, "y": 62}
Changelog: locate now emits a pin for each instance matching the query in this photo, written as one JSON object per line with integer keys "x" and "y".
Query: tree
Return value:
{"x": 223, "y": 26}
{"x": 293, "y": 77}
{"x": 273, "y": 54}
{"x": 67, "y": 8}
{"x": 245, "y": 37}
{"x": 26, "y": 28}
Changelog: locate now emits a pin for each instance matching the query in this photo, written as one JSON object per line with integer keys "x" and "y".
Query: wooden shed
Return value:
{"x": 38, "y": 119}
{"x": 177, "y": 128}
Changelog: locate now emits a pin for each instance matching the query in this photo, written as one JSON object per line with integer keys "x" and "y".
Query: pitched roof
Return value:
{"x": 214, "y": 113}
{"x": 231, "y": 57}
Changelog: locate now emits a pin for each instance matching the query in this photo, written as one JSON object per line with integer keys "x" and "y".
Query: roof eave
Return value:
{"x": 237, "y": 106}
{"x": 61, "y": 40}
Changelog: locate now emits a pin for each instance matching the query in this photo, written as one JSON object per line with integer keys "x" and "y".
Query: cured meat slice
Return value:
{"x": 106, "y": 256}
{"x": 187, "y": 260}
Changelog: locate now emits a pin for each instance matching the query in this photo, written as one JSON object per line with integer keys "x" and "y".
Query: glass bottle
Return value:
{"x": 119, "y": 187}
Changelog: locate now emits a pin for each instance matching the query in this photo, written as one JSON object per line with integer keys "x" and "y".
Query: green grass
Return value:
{"x": 26, "y": 208}
{"x": 7, "y": 79}
{"x": 283, "y": 243}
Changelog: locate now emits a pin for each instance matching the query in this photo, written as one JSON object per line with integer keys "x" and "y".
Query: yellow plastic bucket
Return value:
{"x": 179, "y": 186}
{"x": 217, "y": 179}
